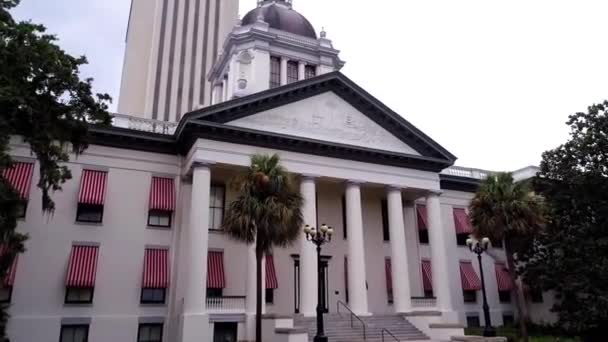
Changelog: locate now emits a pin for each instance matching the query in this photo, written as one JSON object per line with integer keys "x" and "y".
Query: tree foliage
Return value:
{"x": 45, "y": 103}
{"x": 571, "y": 256}
{"x": 267, "y": 212}
{"x": 508, "y": 211}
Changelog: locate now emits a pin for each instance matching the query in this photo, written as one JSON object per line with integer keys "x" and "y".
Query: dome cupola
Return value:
{"x": 280, "y": 15}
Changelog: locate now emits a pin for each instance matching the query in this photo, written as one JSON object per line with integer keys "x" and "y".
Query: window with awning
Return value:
{"x": 272, "y": 282}
{"x": 422, "y": 220}
{"x": 6, "y": 285}
{"x": 82, "y": 270}
{"x": 470, "y": 281}
{"x": 162, "y": 202}
{"x": 462, "y": 223}
{"x": 215, "y": 270}
{"x": 19, "y": 176}
{"x": 91, "y": 196}
{"x": 504, "y": 282}
{"x": 427, "y": 278}
{"x": 155, "y": 278}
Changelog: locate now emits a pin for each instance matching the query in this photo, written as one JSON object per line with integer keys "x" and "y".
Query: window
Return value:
{"x": 461, "y": 239}
{"x": 385, "y": 229}
{"x": 344, "y": 230}
{"x": 473, "y": 322}
{"x": 92, "y": 213}
{"x": 214, "y": 293}
{"x": 469, "y": 296}
{"x": 216, "y": 207}
{"x": 292, "y": 72}
{"x": 508, "y": 319}
{"x": 423, "y": 236}
{"x": 21, "y": 209}
{"x": 429, "y": 294}
{"x": 150, "y": 332}
{"x": 310, "y": 71}
{"x": 153, "y": 296}
{"x": 225, "y": 331}
{"x": 159, "y": 218}
{"x": 74, "y": 333}
{"x": 275, "y": 72}
{"x": 536, "y": 295}
{"x": 6, "y": 294}
{"x": 79, "y": 295}
{"x": 504, "y": 296}
{"x": 269, "y": 296}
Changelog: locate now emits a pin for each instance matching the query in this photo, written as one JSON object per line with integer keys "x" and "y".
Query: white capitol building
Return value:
{"x": 134, "y": 251}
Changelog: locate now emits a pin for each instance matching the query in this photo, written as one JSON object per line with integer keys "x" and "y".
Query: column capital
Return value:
{"x": 395, "y": 187}
{"x": 309, "y": 176}
{"x": 202, "y": 164}
{"x": 355, "y": 182}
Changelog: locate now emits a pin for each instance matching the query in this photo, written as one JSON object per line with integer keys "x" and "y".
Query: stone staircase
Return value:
{"x": 338, "y": 328}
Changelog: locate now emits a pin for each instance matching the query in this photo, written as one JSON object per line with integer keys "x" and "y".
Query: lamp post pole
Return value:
{"x": 478, "y": 247}
{"x": 319, "y": 238}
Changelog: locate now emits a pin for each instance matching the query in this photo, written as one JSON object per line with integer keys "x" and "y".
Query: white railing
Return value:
{"x": 467, "y": 172}
{"x": 228, "y": 304}
{"x": 424, "y": 302}
{"x": 294, "y": 38}
{"x": 146, "y": 125}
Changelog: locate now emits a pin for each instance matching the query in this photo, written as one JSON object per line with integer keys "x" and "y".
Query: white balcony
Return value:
{"x": 424, "y": 303}
{"x": 227, "y": 304}
{"x": 146, "y": 125}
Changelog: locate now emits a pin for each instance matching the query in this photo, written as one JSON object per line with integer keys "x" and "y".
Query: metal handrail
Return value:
{"x": 389, "y": 333}
{"x": 352, "y": 314}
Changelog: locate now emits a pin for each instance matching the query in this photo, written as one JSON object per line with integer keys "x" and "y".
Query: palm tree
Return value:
{"x": 504, "y": 210}
{"x": 267, "y": 212}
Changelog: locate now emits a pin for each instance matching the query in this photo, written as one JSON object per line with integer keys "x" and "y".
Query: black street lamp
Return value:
{"x": 319, "y": 238}
{"x": 478, "y": 247}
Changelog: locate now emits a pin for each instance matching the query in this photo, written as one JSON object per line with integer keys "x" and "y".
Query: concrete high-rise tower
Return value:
{"x": 171, "y": 46}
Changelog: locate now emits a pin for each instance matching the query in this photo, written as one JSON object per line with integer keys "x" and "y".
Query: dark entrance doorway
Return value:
{"x": 297, "y": 280}
{"x": 224, "y": 331}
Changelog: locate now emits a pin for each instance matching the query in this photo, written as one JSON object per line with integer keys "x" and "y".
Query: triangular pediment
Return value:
{"x": 325, "y": 117}
{"x": 328, "y": 114}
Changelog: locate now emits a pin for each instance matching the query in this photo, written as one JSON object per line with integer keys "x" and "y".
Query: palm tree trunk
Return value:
{"x": 259, "y": 255}
{"x": 520, "y": 299}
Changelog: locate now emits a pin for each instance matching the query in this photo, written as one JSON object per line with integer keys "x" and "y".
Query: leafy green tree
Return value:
{"x": 504, "y": 210}
{"x": 267, "y": 212}
{"x": 571, "y": 256}
{"x": 45, "y": 103}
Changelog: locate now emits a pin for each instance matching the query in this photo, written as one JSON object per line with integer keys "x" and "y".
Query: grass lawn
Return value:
{"x": 511, "y": 333}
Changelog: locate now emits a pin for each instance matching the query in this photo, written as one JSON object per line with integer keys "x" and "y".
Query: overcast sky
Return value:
{"x": 491, "y": 81}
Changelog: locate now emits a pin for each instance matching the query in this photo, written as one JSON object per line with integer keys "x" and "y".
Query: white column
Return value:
{"x": 195, "y": 312}
{"x": 356, "y": 255}
{"x": 308, "y": 258}
{"x": 301, "y": 71}
{"x": 283, "y": 71}
{"x": 399, "y": 262}
{"x": 440, "y": 261}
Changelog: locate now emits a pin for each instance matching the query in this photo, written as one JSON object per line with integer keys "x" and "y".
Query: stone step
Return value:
{"x": 338, "y": 328}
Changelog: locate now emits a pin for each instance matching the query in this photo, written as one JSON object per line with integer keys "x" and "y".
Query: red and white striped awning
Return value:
{"x": 9, "y": 278}
{"x": 427, "y": 275}
{"x": 271, "y": 274}
{"x": 19, "y": 175}
{"x": 468, "y": 276}
{"x": 422, "y": 217}
{"x": 462, "y": 222}
{"x": 82, "y": 268}
{"x": 215, "y": 270}
{"x": 503, "y": 277}
{"x": 156, "y": 269}
{"x": 388, "y": 269}
{"x": 162, "y": 194}
{"x": 92, "y": 187}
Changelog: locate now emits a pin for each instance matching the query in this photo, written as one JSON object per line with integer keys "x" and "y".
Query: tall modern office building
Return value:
{"x": 170, "y": 47}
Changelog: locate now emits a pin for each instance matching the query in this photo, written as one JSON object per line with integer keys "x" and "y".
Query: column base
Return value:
{"x": 196, "y": 328}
